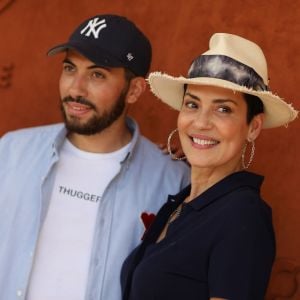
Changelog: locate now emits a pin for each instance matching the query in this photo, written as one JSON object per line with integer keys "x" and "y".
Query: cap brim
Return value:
{"x": 96, "y": 55}
{"x": 170, "y": 90}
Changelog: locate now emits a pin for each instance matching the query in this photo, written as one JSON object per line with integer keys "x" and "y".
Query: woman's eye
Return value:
{"x": 190, "y": 104}
{"x": 225, "y": 109}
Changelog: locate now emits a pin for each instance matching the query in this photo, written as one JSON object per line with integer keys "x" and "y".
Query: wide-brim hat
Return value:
{"x": 231, "y": 62}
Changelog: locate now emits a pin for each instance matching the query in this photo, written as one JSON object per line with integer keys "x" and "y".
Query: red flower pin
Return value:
{"x": 147, "y": 219}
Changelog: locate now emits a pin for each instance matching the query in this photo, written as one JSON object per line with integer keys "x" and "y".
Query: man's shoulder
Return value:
{"x": 49, "y": 131}
{"x": 152, "y": 152}
{"x": 151, "y": 149}
{"x": 34, "y": 138}
{"x": 170, "y": 175}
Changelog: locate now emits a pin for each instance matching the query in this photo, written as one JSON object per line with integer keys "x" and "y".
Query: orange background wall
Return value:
{"x": 179, "y": 31}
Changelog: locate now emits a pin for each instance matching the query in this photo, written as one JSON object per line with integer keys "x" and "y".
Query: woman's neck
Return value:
{"x": 204, "y": 178}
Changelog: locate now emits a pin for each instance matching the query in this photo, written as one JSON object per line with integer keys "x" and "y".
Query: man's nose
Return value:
{"x": 78, "y": 87}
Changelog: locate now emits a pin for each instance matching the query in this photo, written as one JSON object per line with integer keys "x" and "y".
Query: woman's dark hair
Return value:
{"x": 254, "y": 106}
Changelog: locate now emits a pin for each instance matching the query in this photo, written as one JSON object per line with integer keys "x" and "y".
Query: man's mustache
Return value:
{"x": 80, "y": 100}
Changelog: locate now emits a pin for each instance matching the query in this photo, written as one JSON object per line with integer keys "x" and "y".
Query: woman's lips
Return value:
{"x": 204, "y": 142}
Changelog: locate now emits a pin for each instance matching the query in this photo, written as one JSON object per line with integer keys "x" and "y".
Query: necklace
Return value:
{"x": 175, "y": 214}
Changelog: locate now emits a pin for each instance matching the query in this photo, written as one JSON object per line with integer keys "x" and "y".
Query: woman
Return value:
{"x": 214, "y": 240}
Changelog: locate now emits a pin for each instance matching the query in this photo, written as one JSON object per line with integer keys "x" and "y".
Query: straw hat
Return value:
{"x": 231, "y": 62}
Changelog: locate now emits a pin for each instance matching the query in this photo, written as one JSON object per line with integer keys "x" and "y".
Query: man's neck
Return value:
{"x": 110, "y": 139}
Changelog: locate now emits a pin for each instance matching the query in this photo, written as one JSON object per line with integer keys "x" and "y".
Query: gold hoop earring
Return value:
{"x": 169, "y": 146}
{"x": 246, "y": 166}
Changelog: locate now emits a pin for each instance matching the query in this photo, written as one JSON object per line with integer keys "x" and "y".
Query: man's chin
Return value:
{"x": 85, "y": 128}
{"x": 76, "y": 126}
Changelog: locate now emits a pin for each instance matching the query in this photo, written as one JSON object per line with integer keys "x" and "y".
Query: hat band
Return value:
{"x": 226, "y": 68}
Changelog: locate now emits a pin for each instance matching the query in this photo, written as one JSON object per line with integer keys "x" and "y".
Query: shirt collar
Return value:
{"x": 131, "y": 124}
{"x": 134, "y": 129}
{"x": 223, "y": 187}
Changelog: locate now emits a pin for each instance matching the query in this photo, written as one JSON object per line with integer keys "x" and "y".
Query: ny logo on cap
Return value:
{"x": 94, "y": 27}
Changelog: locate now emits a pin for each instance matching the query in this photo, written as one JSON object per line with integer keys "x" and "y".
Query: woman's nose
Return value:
{"x": 203, "y": 120}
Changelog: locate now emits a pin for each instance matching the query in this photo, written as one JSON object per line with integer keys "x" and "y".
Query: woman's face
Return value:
{"x": 212, "y": 127}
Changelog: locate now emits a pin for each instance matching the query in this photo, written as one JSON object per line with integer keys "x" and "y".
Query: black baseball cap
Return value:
{"x": 110, "y": 41}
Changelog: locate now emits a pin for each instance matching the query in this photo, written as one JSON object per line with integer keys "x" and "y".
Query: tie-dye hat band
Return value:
{"x": 226, "y": 68}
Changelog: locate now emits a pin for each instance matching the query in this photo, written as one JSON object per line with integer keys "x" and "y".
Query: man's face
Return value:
{"x": 93, "y": 97}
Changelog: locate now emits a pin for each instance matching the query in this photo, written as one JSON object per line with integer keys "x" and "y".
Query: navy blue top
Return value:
{"x": 222, "y": 245}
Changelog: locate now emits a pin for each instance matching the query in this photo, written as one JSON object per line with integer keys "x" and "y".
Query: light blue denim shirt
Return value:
{"x": 27, "y": 159}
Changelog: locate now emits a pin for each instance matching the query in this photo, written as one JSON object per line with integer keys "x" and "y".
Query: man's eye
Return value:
{"x": 98, "y": 75}
{"x": 68, "y": 68}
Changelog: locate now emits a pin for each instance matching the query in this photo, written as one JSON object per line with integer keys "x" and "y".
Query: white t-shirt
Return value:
{"x": 63, "y": 252}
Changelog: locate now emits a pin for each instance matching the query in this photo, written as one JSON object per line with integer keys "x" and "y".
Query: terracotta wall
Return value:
{"x": 179, "y": 30}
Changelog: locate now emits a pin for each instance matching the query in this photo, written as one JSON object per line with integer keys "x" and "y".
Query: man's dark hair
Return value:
{"x": 129, "y": 75}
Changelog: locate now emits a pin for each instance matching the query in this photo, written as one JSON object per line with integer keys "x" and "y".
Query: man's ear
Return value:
{"x": 136, "y": 88}
{"x": 255, "y": 127}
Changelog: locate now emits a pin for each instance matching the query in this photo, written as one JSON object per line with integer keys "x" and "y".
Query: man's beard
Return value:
{"x": 98, "y": 122}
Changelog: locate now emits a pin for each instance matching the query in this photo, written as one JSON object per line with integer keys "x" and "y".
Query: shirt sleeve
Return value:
{"x": 241, "y": 261}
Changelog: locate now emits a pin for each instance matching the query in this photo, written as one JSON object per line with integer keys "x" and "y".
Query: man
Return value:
{"x": 74, "y": 196}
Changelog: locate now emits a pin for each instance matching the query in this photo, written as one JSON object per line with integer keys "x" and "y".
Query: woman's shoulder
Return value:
{"x": 245, "y": 210}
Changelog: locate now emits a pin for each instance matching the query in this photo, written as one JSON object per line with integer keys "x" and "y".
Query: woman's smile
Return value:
{"x": 203, "y": 142}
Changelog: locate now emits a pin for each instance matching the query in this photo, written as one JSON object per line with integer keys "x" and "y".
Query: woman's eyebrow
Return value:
{"x": 215, "y": 100}
{"x": 224, "y": 101}
{"x": 192, "y": 96}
